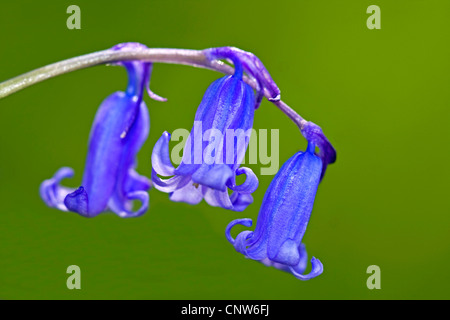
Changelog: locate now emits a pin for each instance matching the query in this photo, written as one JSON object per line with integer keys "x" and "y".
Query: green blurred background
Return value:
{"x": 381, "y": 96}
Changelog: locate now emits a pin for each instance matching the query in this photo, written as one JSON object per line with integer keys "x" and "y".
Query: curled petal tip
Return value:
{"x": 143, "y": 197}
{"x": 250, "y": 184}
{"x": 245, "y": 222}
{"x": 52, "y": 193}
{"x": 161, "y": 162}
{"x": 316, "y": 270}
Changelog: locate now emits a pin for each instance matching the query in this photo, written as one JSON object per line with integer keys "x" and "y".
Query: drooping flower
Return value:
{"x": 283, "y": 217}
{"x": 110, "y": 181}
{"x": 214, "y": 149}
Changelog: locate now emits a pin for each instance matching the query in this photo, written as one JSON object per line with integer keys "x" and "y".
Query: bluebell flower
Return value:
{"x": 283, "y": 217}
{"x": 110, "y": 181}
{"x": 212, "y": 154}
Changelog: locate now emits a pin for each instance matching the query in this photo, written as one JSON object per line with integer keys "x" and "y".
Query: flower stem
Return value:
{"x": 194, "y": 58}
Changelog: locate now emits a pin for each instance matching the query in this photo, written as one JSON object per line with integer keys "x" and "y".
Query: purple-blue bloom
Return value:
{"x": 212, "y": 155}
{"x": 214, "y": 149}
{"x": 283, "y": 217}
{"x": 110, "y": 181}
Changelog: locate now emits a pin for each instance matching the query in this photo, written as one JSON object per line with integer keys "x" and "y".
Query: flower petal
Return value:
{"x": 317, "y": 269}
{"x": 290, "y": 204}
{"x": 250, "y": 184}
{"x": 217, "y": 198}
{"x": 240, "y": 201}
{"x": 125, "y": 210}
{"x": 245, "y": 222}
{"x": 283, "y": 218}
{"x": 298, "y": 269}
{"x": 301, "y": 266}
{"x": 190, "y": 193}
{"x": 171, "y": 184}
{"x": 135, "y": 188}
{"x": 52, "y": 193}
{"x": 107, "y": 146}
{"x": 129, "y": 182}
{"x": 136, "y": 182}
{"x": 213, "y": 176}
{"x": 78, "y": 202}
{"x": 161, "y": 163}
